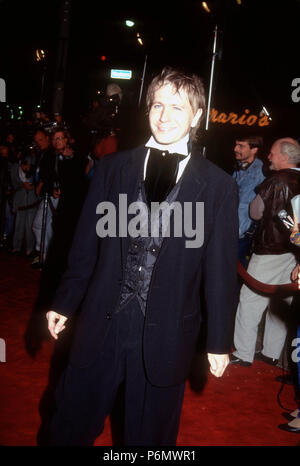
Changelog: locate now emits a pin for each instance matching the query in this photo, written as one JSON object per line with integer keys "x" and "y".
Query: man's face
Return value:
{"x": 275, "y": 157}
{"x": 4, "y": 151}
{"x": 10, "y": 138}
{"x": 171, "y": 115}
{"x": 243, "y": 152}
{"x": 41, "y": 140}
{"x": 25, "y": 165}
{"x": 59, "y": 141}
{"x": 58, "y": 118}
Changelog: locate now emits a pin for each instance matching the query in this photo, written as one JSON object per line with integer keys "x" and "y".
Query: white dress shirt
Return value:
{"x": 179, "y": 147}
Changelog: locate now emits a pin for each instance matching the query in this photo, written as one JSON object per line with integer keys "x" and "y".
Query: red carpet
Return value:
{"x": 239, "y": 409}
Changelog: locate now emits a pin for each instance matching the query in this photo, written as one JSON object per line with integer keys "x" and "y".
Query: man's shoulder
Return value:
{"x": 124, "y": 156}
{"x": 279, "y": 180}
{"x": 47, "y": 154}
{"x": 283, "y": 176}
{"x": 258, "y": 163}
{"x": 14, "y": 168}
{"x": 288, "y": 174}
{"x": 47, "y": 157}
{"x": 112, "y": 163}
{"x": 212, "y": 171}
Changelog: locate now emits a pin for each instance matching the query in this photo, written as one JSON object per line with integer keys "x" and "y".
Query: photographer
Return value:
{"x": 24, "y": 204}
{"x": 44, "y": 186}
{"x": 69, "y": 187}
{"x": 6, "y": 192}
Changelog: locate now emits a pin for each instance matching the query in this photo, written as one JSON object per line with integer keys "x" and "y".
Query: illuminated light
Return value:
{"x": 140, "y": 41}
{"x": 103, "y": 57}
{"x": 98, "y": 92}
{"x": 129, "y": 23}
{"x": 265, "y": 112}
{"x": 239, "y": 2}
{"x": 121, "y": 74}
{"x": 205, "y": 7}
{"x": 40, "y": 55}
{"x": 161, "y": 38}
{"x": 246, "y": 118}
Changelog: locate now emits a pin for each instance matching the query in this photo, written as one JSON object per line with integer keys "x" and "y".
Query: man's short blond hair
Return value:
{"x": 190, "y": 83}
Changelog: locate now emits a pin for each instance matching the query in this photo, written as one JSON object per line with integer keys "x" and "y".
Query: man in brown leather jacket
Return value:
{"x": 273, "y": 259}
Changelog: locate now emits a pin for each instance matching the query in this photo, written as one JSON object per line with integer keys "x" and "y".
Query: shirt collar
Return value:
{"x": 179, "y": 147}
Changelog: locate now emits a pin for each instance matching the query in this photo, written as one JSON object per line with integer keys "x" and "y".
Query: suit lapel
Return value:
{"x": 193, "y": 184}
{"x": 131, "y": 175}
{"x": 193, "y": 179}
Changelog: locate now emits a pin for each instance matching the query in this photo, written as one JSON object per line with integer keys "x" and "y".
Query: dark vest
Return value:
{"x": 141, "y": 257}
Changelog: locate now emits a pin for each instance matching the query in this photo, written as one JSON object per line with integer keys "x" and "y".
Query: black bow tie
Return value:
{"x": 162, "y": 170}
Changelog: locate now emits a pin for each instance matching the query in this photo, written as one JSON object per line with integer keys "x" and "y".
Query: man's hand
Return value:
{"x": 55, "y": 323}
{"x": 295, "y": 273}
{"x": 218, "y": 363}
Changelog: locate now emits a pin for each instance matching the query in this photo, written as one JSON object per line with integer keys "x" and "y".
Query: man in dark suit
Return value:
{"x": 140, "y": 294}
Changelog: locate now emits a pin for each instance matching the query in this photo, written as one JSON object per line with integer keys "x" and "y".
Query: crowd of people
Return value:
{"x": 44, "y": 175}
{"x": 43, "y": 188}
{"x": 269, "y": 252}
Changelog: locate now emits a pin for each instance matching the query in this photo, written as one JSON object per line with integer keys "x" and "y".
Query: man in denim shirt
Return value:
{"x": 248, "y": 175}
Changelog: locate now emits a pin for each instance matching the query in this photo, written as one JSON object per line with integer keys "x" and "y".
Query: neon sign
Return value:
{"x": 121, "y": 74}
{"x": 234, "y": 119}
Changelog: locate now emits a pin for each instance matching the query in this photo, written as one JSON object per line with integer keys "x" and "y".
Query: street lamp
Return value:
{"x": 40, "y": 55}
{"x": 129, "y": 23}
{"x": 205, "y": 7}
{"x": 139, "y": 39}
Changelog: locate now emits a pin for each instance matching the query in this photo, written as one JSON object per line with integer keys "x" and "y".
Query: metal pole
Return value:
{"x": 211, "y": 77}
{"x": 44, "y": 226}
{"x": 42, "y": 85}
{"x": 62, "y": 53}
{"x": 210, "y": 84}
{"x": 143, "y": 77}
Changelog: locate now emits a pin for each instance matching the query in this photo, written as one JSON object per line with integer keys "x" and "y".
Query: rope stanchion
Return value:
{"x": 265, "y": 288}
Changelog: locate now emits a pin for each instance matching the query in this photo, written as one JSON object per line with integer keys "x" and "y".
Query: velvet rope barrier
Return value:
{"x": 265, "y": 287}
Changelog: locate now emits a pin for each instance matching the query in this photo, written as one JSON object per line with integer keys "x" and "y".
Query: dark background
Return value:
{"x": 257, "y": 59}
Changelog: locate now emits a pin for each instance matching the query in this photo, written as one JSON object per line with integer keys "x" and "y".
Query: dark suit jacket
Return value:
{"x": 174, "y": 309}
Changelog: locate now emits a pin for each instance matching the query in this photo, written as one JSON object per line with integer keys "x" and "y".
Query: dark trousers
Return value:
{"x": 85, "y": 396}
